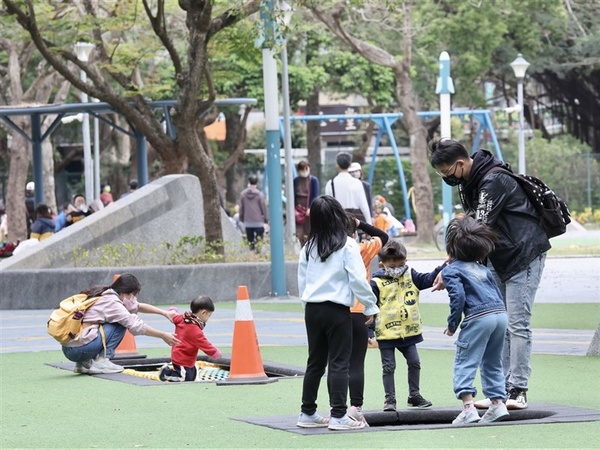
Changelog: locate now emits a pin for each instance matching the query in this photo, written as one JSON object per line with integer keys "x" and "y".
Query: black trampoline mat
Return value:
{"x": 436, "y": 418}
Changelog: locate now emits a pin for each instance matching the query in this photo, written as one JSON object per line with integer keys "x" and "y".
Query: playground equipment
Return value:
{"x": 384, "y": 122}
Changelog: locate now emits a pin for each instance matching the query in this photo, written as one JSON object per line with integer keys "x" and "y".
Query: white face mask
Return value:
{"x": 83, "y": 208}
{"x": 355, "y": 174}
{"x": 395, "y": 272}
{"x": 303, "y": 174}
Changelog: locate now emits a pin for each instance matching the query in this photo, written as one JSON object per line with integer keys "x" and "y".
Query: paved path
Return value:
{"x": 565, "y": 280}
{"x": 25, "y": 331}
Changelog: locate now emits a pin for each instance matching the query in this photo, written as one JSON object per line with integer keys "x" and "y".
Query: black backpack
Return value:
{"x": 553, "y": 211}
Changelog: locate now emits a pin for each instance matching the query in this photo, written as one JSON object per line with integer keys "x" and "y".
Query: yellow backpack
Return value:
{"x": 66, "y": 322}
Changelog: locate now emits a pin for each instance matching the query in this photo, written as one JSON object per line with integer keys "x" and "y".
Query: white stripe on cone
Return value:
{"x": 243, "y": 311}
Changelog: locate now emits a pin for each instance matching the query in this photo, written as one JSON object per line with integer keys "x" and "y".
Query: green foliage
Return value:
{"x": 564, "y": 164}
{"x": 352, "y": 74}
{"x": 187, "y": 250}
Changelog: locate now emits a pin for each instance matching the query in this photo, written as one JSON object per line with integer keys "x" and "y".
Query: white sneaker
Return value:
{"x": 87, "y": 367}
{"x": 345, "y": 423}
{"x": 483, "y": 404}
{"x": 104, "y": 365}
{"x": 495, "y": 413}
{"x": 314, "y": 421}
{"x": 467, "y": 416}
{"x": 356, "y": 413}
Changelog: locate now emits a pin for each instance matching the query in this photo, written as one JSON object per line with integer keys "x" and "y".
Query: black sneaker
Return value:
{"x": 389, "y": 406}
{"x": 517, "y": 399}
{"x": 418, "y": 401}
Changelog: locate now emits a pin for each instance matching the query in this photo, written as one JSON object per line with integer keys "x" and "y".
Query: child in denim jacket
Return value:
{"x": 476, "y": 300}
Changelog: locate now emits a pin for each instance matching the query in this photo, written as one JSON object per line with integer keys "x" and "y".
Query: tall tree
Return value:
{"x": 25, "y": 79}
{"x": 336, "y": 19}
{"x": 111, "y": 70}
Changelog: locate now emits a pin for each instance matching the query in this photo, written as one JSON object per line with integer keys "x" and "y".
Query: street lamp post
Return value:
{"x": 83, "y": 50}
{"x": 520, "y": 66}
{"x": 290, "y": 228}
{"x": 96, "y": 154}
{"x": 267, "y": 41}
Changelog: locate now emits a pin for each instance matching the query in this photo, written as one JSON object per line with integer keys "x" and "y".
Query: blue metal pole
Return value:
{"x": 388, "y": 128}
{"x": 375, "y": 148}
{"x": 38, "y": 166}
{"x": 273, "y": 150}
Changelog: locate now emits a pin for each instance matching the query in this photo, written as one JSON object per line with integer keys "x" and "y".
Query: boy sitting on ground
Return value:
{"x": 189, "y": 330}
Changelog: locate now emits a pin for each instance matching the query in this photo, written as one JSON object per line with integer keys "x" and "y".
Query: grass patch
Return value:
{"x": 45, "y": 407}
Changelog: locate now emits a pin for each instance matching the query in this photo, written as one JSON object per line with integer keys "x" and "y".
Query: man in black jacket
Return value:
{"x": 518, "y": 260}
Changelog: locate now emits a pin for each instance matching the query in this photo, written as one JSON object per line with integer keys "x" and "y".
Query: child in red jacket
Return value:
{"x": 188, "y": 329}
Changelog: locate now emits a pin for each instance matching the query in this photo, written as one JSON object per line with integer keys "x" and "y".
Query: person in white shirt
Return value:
{"x": 331, "y": 274}
{"x": 348, "y": 190}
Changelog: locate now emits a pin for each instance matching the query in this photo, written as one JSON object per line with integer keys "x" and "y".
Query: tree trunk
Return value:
{"x": 230, "y": 174}
{"x": 188, "y": 138}
{"x": 313, "y": 135}
{"x": 19, "y": 155}
{"x": 418, "y": 155}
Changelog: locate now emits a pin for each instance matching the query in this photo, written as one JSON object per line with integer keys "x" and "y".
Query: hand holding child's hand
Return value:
{"x": 447, "y": 332}
{"x": 369, "y": 320}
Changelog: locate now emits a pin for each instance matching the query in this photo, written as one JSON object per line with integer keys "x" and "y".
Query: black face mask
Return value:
{"x": 452, "y": 180}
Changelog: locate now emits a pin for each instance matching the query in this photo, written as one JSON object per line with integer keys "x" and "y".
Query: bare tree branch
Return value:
{"x": 160, "y": 29}
{"x": 232, "y": 16}
{"x": 372, "y": 53}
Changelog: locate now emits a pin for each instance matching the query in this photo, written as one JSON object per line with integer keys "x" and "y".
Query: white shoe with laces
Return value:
{"x": 356, "y": 413}
{"x": 104, "y": 365}
{"x": 314, "y": 421}
{"x": 467, "y": 416}
{"x": 345, "y": 423}
{"x": 85, "y": 367}
{"x": 495, "y": 413}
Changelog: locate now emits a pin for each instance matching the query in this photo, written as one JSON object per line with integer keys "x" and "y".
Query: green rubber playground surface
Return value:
{"x": 45, "y": 407}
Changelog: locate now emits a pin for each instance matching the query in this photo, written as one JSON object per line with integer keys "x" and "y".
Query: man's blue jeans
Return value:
{"x": 114, "y": 333}
{"x": 519, "y": 293}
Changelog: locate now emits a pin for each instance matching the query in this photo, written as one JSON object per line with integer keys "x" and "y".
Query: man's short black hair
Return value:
{"x": 133, "y": 184}
{"x": 343, "y": 160}
{"x": 253, "y": 180}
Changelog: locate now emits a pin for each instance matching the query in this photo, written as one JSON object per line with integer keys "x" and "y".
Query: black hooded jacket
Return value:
{"x": 498, "y": 201}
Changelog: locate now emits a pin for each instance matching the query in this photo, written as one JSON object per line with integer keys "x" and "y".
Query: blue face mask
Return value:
{"x": 395, "y": 272}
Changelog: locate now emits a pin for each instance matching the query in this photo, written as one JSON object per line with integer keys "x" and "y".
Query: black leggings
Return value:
{"x": 360, "y": 340}
{"x": 329, "y": 332}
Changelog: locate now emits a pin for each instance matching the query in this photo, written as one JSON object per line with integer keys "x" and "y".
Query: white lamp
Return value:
{"x": 520, "y": 66}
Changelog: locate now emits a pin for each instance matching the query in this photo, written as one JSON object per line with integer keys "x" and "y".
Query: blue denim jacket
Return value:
{"x": 472, "y": 291}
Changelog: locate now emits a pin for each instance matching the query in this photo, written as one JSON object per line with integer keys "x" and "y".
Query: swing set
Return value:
{"x": 384, "y": 122}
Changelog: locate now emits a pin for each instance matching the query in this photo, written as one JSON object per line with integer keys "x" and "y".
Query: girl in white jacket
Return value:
{"x": 331, "y": 274}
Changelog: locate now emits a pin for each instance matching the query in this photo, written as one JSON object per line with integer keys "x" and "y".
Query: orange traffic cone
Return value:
{"x": 246, "y": 362}
{"x": 127, "y": 349}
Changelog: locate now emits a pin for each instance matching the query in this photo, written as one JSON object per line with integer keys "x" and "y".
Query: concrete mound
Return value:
{"x": 162, "y": 211}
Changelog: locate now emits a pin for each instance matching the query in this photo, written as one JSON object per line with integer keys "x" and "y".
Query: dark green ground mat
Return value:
{"x": 435, "y": 418}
